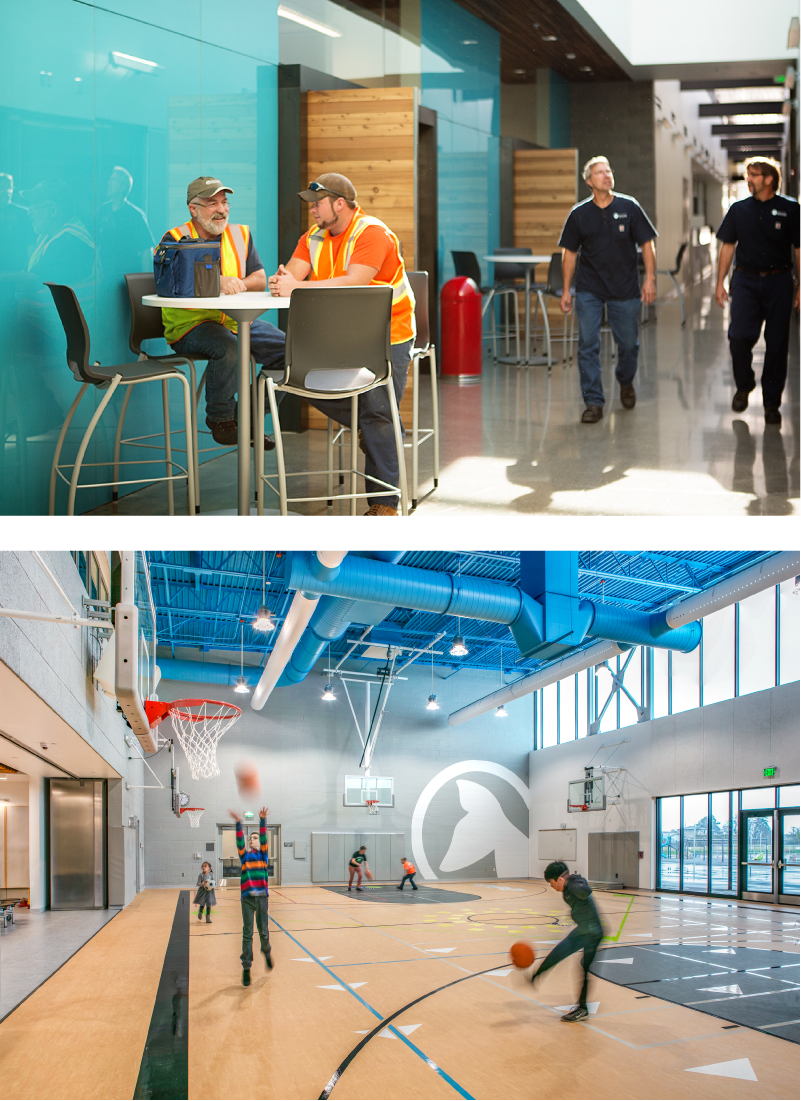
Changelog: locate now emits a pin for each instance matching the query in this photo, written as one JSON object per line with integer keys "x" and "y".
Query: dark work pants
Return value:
{"x": 587, "y": 943}
{"x": 254, "y": 906}
{"x": 757, "y": 300}
{"x": 411, "y": 880}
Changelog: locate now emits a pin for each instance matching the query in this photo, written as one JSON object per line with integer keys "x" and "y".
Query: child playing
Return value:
{"x": 355, "y": 863}
{"x": 205, "y": 896}
{"x": 408, "y": 873}
{"x": 585, "y": 938}
{"x": 253, "y": 884}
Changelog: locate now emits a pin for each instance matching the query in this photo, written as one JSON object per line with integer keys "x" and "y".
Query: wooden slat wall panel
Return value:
{"x": 369, "y": 135}
{"x": 545, "y": 182}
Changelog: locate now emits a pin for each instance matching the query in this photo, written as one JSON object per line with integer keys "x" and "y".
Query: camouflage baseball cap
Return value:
{"x": 329, "y": 186}
{"x": 205, "y": 187}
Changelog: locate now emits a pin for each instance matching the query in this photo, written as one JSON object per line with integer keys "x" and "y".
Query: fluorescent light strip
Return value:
{"x": 306, "y": 21}
{"x": 128, "y": 61}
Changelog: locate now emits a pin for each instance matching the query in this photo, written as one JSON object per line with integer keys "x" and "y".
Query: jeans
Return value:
{"x": 216, "y": 344}
{"x": 355, "y": 872}
{"x": 411, "y": 880}
{"x": 254, "y": 905}
{"x": 623, "y": 315}
{"x": 573, "y": 942}
{"x": 756, "y": 299}
{"x": 375, "y": 421}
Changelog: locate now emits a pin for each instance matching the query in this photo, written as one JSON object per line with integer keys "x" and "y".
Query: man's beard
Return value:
{"x": 215, "y": 228}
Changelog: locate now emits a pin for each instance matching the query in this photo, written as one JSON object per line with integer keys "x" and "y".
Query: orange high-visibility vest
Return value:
{"x": 321, "y": 254}
{"x": 233, "y": 260}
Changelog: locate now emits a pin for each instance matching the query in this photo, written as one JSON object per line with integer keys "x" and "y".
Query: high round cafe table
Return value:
{"x": 243, "y": 308}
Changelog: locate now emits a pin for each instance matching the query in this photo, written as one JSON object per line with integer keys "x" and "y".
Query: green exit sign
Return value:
{"x": 768, "y": 772}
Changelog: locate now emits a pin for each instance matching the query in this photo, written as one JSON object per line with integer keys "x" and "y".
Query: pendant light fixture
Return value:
{"x": 328, "y": 694}
{"x": 458, "y": 648}
{"x": 264, "y": 619}
{"x": 432, "y": 704}
{"x": 501, "y": 712}
{"x": 241, "y": 684}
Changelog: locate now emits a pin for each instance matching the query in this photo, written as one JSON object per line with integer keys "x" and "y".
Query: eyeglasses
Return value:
{"x": 209, "y": 205}
{"x": 315, "y": 186}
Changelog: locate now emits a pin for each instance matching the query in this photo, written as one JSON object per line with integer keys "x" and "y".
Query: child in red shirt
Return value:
{"x": 408, "y": 873}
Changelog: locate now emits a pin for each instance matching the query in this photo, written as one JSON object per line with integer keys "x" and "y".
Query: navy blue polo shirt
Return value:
{"x": 765, "y": 232}
{"x": 606, "y": 239}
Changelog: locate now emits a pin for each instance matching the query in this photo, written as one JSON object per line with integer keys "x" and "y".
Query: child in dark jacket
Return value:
{"x": 205, "y": 897}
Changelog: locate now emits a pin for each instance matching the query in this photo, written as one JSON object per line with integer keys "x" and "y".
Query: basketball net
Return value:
{"x": 194, "y": 815}
{"x": 372, "y": 806}
{"x": 199, "y": 725}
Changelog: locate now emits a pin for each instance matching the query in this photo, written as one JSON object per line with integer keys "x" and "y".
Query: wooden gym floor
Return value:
{"x": 146, "y": 992}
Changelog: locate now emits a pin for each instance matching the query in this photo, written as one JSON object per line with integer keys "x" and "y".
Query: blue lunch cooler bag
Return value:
{"x": 189, "y": 268}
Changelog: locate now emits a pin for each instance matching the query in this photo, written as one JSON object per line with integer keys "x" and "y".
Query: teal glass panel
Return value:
{"x": 104, "y": 121}
{"x": 669, "y": 842}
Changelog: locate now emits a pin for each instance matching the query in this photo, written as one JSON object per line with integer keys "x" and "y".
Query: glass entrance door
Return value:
{"x": 787, "y": 864}
{"x": 229, "y": 866}
{"x": 758, "y": 857}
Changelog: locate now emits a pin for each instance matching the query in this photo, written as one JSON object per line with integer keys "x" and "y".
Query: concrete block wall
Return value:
{"x": 305, "y": 747}
{"x": 720, "y": 747}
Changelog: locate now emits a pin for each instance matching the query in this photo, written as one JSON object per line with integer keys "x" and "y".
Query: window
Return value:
{"x": 632, "y": 680}
{"x": 669, "y": 842}
{"x": 582, "y": 720}
{"x": 685, "y": 686}
{"x": 698, "y": 843}
{"x": 723, "y": 844}
{"x": 567, "y": 709}
{"x": 695, "y": 843}
{"x": 789, "y": 657}
{"x": 757, "y": 798}
{"x": 550, "y": 716}
{"x": 661, "y": 696}
{"x": 91, "y": 575}
{"x": 718, "y": 643}
{"x": 788, "y": 795}
{"x": 757, "y": 642}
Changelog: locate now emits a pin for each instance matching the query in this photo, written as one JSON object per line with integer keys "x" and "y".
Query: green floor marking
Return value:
{"x": 623, "y": 920}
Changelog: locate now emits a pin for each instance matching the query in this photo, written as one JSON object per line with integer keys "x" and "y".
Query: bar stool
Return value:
{"x": 337, "y": 346}
{"x": 466, "y": 264}
{"x": 109, "y": 379}
{"x": 423, "y": 348}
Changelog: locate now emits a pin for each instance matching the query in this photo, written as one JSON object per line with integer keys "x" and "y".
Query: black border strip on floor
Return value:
{"x": 164, "y": 1070}
{"x": 343, "y": 1066}
{"x": 22, "y": 1001}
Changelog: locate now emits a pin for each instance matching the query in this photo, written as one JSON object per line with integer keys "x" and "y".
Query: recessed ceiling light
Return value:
{"x": 570, "y": 57}
{"x": 549, "y": 38}
{"x": 519, "y": 72}
{"x": 469, "y": 41}
{"x": 585, "y": 69}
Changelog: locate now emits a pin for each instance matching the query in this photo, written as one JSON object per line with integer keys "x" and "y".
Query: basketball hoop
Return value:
{"x": 372, "y": 806}
{"x": 194, "y": 815}
{"x": 576, "y": 806}
{"x": 199, "y": 725}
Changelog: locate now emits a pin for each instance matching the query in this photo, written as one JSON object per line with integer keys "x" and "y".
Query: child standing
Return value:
{"x": 355, "y": 868}
{"x": 253, "y": 884}
{"x": 408, "y": 873}
{"x": 205, "y": 896}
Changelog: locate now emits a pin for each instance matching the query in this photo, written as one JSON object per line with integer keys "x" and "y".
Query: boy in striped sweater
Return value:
{"x": 253, "y": 884}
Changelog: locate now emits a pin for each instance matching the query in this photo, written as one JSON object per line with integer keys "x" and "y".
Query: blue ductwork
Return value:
{"x": 545, "y": 626}
{"x": 330, "y": 621}
{"x": 207, "y": 672}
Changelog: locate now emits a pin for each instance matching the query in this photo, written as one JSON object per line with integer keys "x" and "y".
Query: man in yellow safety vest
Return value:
{"x": 350, "y": 248}
{"x": 210, "y": 334}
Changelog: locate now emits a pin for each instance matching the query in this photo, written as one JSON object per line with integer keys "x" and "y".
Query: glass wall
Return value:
{"x": 699, "y": 844}
{"x": 105, "y": 117}
{"x": 745, "y": 648}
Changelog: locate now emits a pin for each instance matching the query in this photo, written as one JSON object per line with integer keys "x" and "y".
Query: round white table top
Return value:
{"x": 228, "y": 303}
{"x": 518, "y": 258}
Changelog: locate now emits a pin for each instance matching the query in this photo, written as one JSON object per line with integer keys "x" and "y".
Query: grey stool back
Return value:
{"x": 423, "y": 348}
{"x": 337, "y": 346}
{"x": 109, "y": 378}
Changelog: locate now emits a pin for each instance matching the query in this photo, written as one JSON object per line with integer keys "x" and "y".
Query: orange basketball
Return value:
{"x": 247, "y": 779}
{"x": 522, "y": 954}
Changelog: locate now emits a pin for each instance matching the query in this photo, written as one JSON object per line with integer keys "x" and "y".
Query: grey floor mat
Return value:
{"x": 423, "y": 896}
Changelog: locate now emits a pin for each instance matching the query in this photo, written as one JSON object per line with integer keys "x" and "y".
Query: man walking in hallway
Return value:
{"x": 605, "y": 231}
{"x": 760, "y": 234}
{"x": 585, "y": 938}
{"x": 253, "y": 885}
{"x": 349, "y": 248}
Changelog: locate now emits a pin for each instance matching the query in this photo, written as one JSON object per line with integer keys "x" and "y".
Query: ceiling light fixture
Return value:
{"x": 432, "y": 704}
{"x": 469, "y": 41}
{"x": 241, "y": 683}
{"x": 264, "y": 618}
{"x": 458, "y": 648}
{"x": 501, "y": 713}
{"x": 328, "y": 694}
{"x": 519, "y": 72}
{"x": 585, "y": 68}
{"x": 128, "y": 61}
{"x": 305, "y": 21}
{"x": 570, "y": 57}
{"x": 549, "y": 38}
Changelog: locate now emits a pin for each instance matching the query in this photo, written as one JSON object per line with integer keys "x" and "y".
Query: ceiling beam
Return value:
{"x": 726, "y": 110}
{"x": 736, "y": 82}
{"x": 770, "y": 142}
{"x": 721, "y": 129}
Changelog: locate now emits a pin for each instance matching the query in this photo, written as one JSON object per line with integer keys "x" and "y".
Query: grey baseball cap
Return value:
{"x": 329, "y": 186}
{"x": 206, "y": 187}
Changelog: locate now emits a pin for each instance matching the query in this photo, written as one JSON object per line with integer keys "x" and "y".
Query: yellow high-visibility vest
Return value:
{"x": 233, "y": 260}
{"x": 321, "y": 254}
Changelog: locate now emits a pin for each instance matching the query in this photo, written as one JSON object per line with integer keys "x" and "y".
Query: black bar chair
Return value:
{"x": 337, "y": 346}
{"x": 466, "y": 264}
{"x": 108, "y": 379}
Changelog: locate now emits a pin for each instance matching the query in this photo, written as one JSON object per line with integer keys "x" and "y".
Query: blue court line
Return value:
{"x": 421, "y": 1054}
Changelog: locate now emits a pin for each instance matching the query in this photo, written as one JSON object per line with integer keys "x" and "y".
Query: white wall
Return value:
{"x": 720, "y": 747}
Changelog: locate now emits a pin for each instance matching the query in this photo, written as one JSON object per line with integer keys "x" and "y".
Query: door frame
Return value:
{"x": 759, "y": 896}
{"x": 785, "y": 900}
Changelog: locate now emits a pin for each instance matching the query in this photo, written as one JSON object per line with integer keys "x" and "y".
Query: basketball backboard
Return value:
{"x": 586, "y": 794}
{"x": 136, "y": 674}
{"x": 360, "y": 789}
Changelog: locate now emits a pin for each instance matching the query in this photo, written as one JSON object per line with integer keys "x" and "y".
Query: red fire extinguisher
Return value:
{"x": 460, "y": 328}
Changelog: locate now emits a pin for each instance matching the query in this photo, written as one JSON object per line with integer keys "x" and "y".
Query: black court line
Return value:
{"x": 343, "y": 1066}
{"x": 164, "y": 1071}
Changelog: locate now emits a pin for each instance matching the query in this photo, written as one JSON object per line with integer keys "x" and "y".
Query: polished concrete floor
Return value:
{"x": 513, "y": 443}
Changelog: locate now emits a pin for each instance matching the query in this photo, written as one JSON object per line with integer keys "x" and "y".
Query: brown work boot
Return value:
{"x": 381, "y": 510}
{"x": 739, "y": 403}
{"x": 225, "y": 433}
{"x": 592, "y": 414}
{"x": 628, "y": 398}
